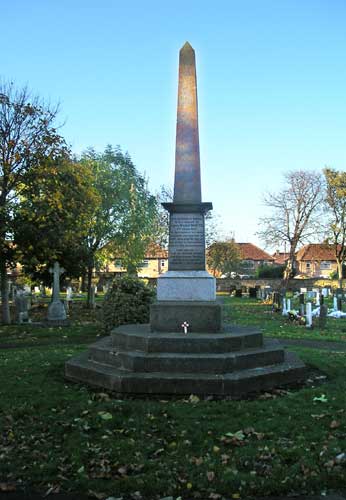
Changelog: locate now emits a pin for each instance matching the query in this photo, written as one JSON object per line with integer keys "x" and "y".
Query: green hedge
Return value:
{"x": 127, "y": 301}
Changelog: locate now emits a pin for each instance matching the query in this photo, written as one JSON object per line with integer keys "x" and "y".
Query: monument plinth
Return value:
{"x": 185, "y": 349}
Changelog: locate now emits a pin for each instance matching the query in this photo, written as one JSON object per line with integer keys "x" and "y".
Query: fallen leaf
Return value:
{"x": 194, "y": 399}
{"x": 322, "y": 398}
{"x": 7, "y": 487}
{"x": 210, "y": 475}
{"x": 105, "y": 415}
{"x": 122, "y": 471}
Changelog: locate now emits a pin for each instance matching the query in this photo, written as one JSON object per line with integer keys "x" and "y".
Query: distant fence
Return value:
{"x": 228, "y": 284}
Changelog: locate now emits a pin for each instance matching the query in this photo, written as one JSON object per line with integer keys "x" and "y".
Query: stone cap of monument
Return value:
{"x": 201, "y": 208}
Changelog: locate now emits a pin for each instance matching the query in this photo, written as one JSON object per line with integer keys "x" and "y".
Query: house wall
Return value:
{"x": 152, "y": 269}
{"x": 314, "y": 269}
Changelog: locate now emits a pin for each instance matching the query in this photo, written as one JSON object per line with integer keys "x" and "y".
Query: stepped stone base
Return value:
{"x": 235, "y": 362}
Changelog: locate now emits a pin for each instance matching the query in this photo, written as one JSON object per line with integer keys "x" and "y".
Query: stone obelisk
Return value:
{"x": 187, "y": 289}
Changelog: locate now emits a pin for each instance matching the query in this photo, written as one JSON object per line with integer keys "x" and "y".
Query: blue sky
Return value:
{"x": 271, "y": 86}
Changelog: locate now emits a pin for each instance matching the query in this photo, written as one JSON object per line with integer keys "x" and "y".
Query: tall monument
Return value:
{"x": 187, "y": 292}
{"x": 185, "y": 349}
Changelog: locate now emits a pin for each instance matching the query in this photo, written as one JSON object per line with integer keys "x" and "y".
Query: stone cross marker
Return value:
{"x": 56, "y": 309}
{"x": 57, "y": 271}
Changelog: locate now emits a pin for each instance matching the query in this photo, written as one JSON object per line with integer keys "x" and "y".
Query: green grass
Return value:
{"x": 55, "y": 435}
{"x": 245, "y": 311}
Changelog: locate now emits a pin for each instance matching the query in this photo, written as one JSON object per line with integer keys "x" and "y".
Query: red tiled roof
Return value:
{"x": 280, "y": 257}
{"x": 316, "y": 251}
{"x": 249, "y": 251}
{"x": 156, "y": 252}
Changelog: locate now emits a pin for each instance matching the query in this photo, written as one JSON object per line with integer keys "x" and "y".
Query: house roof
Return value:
{"x": 154, "y": 251}
{"x": 280, "y": 257}
{"x": 316, "y": 251}
{"x": 249, "y": 251}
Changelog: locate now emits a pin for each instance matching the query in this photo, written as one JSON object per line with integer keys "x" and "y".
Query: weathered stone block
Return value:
{"x": 186, "y": 285}
{"x": 201, "y": 316}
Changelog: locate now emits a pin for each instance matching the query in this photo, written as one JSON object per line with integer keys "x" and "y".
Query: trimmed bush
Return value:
{"x": 127, "y": 301}
{"x": 268, "y": 271}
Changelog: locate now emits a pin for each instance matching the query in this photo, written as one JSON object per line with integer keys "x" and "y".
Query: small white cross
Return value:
{"x": 185, "y": 325}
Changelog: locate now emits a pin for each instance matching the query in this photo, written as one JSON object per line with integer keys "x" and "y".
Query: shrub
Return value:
{"x": 266, "y": 271}
{"x": 127, "y": 301}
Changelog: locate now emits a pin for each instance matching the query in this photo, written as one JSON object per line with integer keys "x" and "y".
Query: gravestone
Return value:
{"x": 301, "y": 304}
{"x": 22, "y": 309}
{"x": 323, "y": 316}
{"x": 335, "y": 303}
{"x": 56, "y": 309}
{"x": 69, "y": 293}
{"x": 185, "y": 349}
{"x": 308, "y": 315}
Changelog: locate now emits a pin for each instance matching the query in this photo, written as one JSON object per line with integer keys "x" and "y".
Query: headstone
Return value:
{"x": 303, "y": 290}
{"x": 339, "y": 303}
{"x": 21, "y": 302}
{"x": 325, "y": 292}
{"x": 288, "y": 304}
{"x": 69, "y": 293}
{"x": 301, "y": 304}
{"x": 308, "y": 315}
{"x": 323, "y": 316}
{"x": 277, "y": 301}
{"x": 56, "y": 309}
{"x": 317, "y": 299}
{"x": 335, "y": 303}
{"x": 284, "y": 308}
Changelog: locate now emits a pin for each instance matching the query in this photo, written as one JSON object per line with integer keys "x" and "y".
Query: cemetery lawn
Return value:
{"x": 58, "y": 436}
{"x": 250, "y": 312}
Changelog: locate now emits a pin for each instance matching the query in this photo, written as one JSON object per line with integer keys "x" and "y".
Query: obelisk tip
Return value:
{"x": 186, "y": 47}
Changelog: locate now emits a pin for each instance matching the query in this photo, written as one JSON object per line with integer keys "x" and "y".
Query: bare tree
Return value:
{"x": 336, "y": 215}
{"x": 295, "y": 213}
{"x": 26, "y": 136}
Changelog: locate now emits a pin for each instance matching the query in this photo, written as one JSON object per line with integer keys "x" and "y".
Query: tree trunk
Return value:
{"x": 131, "y": 270}
{"x": 339, "y": 267}
{"x": 89, "y": 284}
{"x": 289, "y": 268}
{"x": 5, "y": 305}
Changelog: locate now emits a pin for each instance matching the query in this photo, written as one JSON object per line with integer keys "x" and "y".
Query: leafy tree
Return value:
{"x": 223, "y": 257}
{"x": 27, "y": 135}
{"x": 295, "y": 213}
{"x": 336, "y": 215}
{"x": 123, "y": 222}
{"x": 56, "y": 209}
